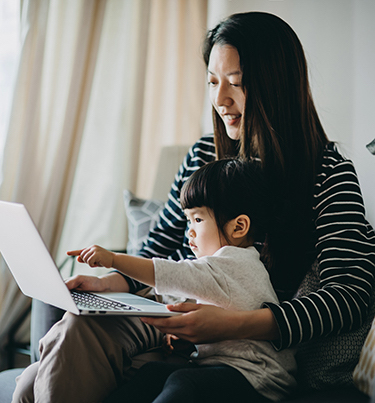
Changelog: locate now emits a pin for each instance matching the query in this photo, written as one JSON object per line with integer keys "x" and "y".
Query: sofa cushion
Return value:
{"x": 335, "y": 395}
{"x": 364, "y": 372}
{"x": 142, "y": 216}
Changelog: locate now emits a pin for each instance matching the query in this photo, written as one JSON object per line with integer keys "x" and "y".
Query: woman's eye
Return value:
{"x": 235, "y": 85}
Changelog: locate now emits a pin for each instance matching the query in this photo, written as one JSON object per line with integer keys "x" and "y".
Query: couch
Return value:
{"x": 141, "y": 215}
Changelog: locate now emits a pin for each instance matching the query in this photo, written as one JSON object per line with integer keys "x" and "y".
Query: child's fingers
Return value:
{"x": 74, "y": 252}
{"x": 91, "y": 255}
{"x": 170, "y": 338}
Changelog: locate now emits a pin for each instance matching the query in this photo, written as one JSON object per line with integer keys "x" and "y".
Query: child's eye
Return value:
{"x": 198, "y": 220}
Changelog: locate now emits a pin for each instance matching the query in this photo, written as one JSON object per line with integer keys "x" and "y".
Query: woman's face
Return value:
{"x": 225, "y": 90}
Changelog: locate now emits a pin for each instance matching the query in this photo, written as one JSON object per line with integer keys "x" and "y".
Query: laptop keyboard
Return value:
{"x": 89, "y": 301}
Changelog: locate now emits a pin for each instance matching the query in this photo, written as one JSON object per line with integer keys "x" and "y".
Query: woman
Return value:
{"x": 322, "y": 250}
{"x": 323, "y": 238}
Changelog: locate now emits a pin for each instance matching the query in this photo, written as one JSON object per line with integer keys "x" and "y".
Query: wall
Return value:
{"x": 338, "y": 37}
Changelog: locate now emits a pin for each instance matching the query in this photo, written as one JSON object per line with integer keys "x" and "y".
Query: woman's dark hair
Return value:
{"x": 230, "y": 187}
{"x": 281, "y": 126}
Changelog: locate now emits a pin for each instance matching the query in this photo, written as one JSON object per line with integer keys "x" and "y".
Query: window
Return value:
{"x": 9, "y": 53}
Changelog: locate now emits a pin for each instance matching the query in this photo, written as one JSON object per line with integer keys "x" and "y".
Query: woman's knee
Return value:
{"x": 109, "y": 336}
{"x": 65, "y": 331}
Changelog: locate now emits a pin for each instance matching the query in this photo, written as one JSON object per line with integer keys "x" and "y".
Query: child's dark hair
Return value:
{"x": 230, "y": 187}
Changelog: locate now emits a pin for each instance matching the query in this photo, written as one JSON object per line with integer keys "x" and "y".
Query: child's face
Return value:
{"x": 204, "y": 236}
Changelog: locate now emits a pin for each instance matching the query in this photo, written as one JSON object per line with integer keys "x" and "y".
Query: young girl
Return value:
{"x": 227, "y": 208}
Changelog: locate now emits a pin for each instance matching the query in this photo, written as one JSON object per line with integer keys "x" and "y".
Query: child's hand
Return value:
{"x": 94, "y": 256}
{"x": 168, "y": 343}
{"x": 173, "y": 344}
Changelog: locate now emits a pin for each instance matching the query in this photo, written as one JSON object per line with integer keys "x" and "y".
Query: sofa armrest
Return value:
{"x": 43, "y": 317}
{"x": 8, "y": 383}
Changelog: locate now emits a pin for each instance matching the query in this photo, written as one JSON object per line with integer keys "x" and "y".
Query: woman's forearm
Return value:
{"x": 115, "y": 282}
{"x": 207, "y": 323}
{"x": 259, "y": 324}
{"x": 139, "y": 268}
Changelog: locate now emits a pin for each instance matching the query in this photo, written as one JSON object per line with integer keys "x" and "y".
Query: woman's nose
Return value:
{"x": 223, "y": 97}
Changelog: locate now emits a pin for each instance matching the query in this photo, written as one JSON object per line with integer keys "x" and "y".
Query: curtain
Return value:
{"x": 59, "y": 48}
{"x": 145, "y": 95}
{"x": 102, "y": 85}
{"x": 175, "y": 82}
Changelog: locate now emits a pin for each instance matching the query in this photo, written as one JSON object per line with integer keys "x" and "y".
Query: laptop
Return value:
{"x": 38, "y": 276}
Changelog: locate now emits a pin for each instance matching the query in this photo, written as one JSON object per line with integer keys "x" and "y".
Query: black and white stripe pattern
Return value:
{"x": 345, "y": 248}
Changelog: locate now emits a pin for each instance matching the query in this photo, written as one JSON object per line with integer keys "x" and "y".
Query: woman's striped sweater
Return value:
{"x": 338, "y": 301}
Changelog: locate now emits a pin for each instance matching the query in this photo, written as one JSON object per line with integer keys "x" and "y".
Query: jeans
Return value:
{"x": 161, "y": 382}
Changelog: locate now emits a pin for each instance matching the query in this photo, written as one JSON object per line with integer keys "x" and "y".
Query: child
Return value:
{"x": 226, "y": 206}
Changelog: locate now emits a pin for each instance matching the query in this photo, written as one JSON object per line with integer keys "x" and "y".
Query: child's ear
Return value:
{"x": 241, "y": 226}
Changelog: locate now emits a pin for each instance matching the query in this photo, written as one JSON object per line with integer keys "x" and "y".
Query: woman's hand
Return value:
{"x": 207, "y": 323}
{"x": 114, "y": 282}
{"x": 199, "y": 323}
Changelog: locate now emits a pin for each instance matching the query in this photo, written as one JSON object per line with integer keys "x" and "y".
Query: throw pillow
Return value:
{"x": 142, "y": 215}
{"x": 364, "y": 372}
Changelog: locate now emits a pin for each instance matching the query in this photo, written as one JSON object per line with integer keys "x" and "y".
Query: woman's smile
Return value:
{"x": 231, "y": 120}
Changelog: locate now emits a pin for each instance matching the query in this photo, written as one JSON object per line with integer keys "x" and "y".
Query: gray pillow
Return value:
{"x": 142, "y": 215}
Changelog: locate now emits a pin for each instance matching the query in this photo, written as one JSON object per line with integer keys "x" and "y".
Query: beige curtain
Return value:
{"x": 175, "y": 82}
{"x": 59, "y": 46}
{"x": 102, "y": 86}
{"x": 148, "y": 92}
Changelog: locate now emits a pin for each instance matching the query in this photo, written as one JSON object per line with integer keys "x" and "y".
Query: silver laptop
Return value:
{"x": 38, "y": 276}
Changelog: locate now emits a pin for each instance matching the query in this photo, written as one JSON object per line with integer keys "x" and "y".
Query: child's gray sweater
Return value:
{"x": 233, "y": 278}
